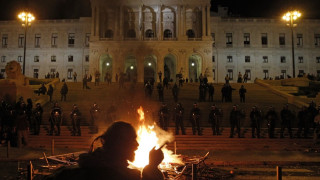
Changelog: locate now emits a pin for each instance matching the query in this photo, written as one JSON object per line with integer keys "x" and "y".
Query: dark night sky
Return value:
{"x": 66, "y": 9}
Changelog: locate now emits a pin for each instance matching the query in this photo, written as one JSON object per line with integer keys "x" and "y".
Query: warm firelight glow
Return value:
{"x": 149, "y": 137}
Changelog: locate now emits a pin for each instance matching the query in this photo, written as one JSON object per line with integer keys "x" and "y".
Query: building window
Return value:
{"x": 4, "y": 40}
{"x": 248, "y": 71}
{"x": 282, "y": 39}
{"x": 52, "y": 70}
{"x": 53, "y": 59}
{"x": 300, "y": 59}
{"x": 71, "y": 39}
{"x": 3, "y": 58}
{"x": 21, "y": 41}
{"x": 317, "y": 39}
{"x": 265, "y": 59}
{"x": 54, "y": 39}
{"x": 229, "y": 39}
{"x": 230, "y": 74}
{"x": 35, "y": 73}
{"x": 213, "y": 59}
{"x": 318, "y": 59}
{"x": 149, "y": 34}
{"x": 70, "y": 58}
{"x": 36, "y": 59}
{"x": 301, "y": 73}
{"x": 246, "y": 37}
{"x": 87, "y": 39}
{"x": 87, "y": 58}
{"x": 299, "y": 40}
{"x": 283, "y": 74}
{"x": 190, "y": 33}
{"x": 213, "y": 36}
{"x": 283, "y": 59}
{"x": 214, "y": 74}
{"x": 266, "y": 74}
{"x": 131, "y": 33}
{"x": 229, "y": 58}
{"x": 264, "y": 39}
{"x": 167, "y": 33}
{"x": 247, "y": 59}
{"x": 69, "y": 75}
{"x": 19, "y": 58}
{"x": 108, "y": 34}
{"x": 37, "y": 40}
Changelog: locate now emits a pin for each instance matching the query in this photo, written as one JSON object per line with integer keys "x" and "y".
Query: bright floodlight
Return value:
{"x": 26, "y": 18}
{"x": 291, "y": 15}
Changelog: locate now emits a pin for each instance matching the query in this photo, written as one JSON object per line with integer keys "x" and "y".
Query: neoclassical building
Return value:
{"x": 177, "y": 37}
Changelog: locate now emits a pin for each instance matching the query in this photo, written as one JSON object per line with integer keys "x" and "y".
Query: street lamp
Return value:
{"x": 26, "y": 19}
{"x": 290, "y": 17}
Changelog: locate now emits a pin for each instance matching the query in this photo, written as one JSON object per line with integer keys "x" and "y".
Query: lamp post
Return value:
{"x": 290, "y": 17}
{"x": 26, "y": 19}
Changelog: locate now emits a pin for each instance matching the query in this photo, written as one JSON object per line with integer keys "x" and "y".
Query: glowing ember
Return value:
{"x": 149, "y": 137}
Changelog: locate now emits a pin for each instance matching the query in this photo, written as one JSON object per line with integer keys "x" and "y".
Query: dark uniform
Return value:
{"x": 50, "y": 92}
{"x": 242, "y": 93}
{"x": 160, "y": 92}
{"x": 214, "y": 119}
{"x": 175, "y": 91}
{"x": 235, "y": 119}
{"x": 55, "y": 119}
{"x": 302, "y": 121}
{"x": 95, "y": 113}
{"x": 195, "y": 119}
{"x": 37, "y": 113}
{"x": 256, "y": 118}
{"x": 64, "y": 92}
{"x": 164, "y": 117}
{"x": 211, "y": 92}
{"x": 272, "y": 118}
{"x": 286, "y": 116}
{"x": 178, "y": 117}
{"x": 75, "y": 117}
{"x": 22, "y": 127}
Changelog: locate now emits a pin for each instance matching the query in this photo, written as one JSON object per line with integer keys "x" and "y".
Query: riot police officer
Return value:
{"x": 214, "y": 119}
{"x": 235, "y": 118}
{"x": 95, "y": 113}
{"x": 178, "y": 118}
{"x": 75, "y": 117}
{"x": 272, "y": 118}
{"x": 164, "y": 117}
{"x": 195, "y": 119}
{"x": 286, "y": 116}
{"x": 256, "y": 118}
{"x": 55, "y": 119}
{"x": 38, "y": 111}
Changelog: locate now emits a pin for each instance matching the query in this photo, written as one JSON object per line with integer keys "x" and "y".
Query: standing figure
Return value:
{"x": 57, "y": 74}
{"x": 74, "y": 77}
{"x": 178, "y": 118}
{"x": 55, "y": 119}
{"x": 75, "y": 117}
{"x": 37, "y": 113}
{"x": 97, "y": 78}
{"x": 50, "y": 92}
{"x": 165, "y": 82}
{"x": 245, "y": 77}
{"x": 224, "y": 90}
{"x": 160, "y": 76}
{"x": 272, "y": 118}
{"x": 85, "y": 81}
{"x": 29, "y": 114}
{"x": 227, "y": 79}
{"x": 256, "y": 118}
{"x": 239, "y": 78}
{"x": 211, "y": 92}
{"x": 22, "y": 127}
{"x": 214, "y": 119}
{"x": 160, "y": 92}
{"x": 95, "y": 113}
{"x": 235, "y": 119}
{"x": 64, "y": 91}
{"x": 242, "y": 93}
{"x": 175, "y": 92}
{"x": 164, "y": 117}
{"x": 302, "y": 121}
{"x": 195, "y": 119}
{"x": 286, "y": 117}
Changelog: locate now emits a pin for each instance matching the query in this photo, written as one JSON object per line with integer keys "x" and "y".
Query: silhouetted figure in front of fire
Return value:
{"x": 256, "y": 118}
{"x": 286, "y": 117}
{"x": 160, "y": 92}
{"x": 75, "y": 117}
{"x": 272, "y": 118}
{"x": 164, "y": 117}
{"x": 178, "y": 118}
{"x": 151, "y": 171}
{"x": 95, "y": 113}
{"x": 109, "y": 161}
{"x": 55, "y": 119}
{"x": 195, "y": 119}
{"x": 214, "y": 118}
{"x": 37, "y": 113}
{"x": 235, "y": 119}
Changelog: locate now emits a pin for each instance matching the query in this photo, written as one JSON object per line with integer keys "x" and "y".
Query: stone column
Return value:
{"x": 121, "y": 22}
{"x": 97, "y": 22}
{"x": 159, "y": 22}
{"x": 94, "y": 15}
{"x": 208, "y": 21}
{"x": 140, "y": 68}
{"x": 140, "y": 22}
{"x": 177, "y": 26}
{"x": 203, "y": 21}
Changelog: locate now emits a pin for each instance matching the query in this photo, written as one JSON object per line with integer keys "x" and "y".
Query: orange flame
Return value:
{"x": 141, "y": 113}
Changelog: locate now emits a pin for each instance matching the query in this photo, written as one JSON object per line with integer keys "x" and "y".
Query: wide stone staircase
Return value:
{"x": 127, "y": 100}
